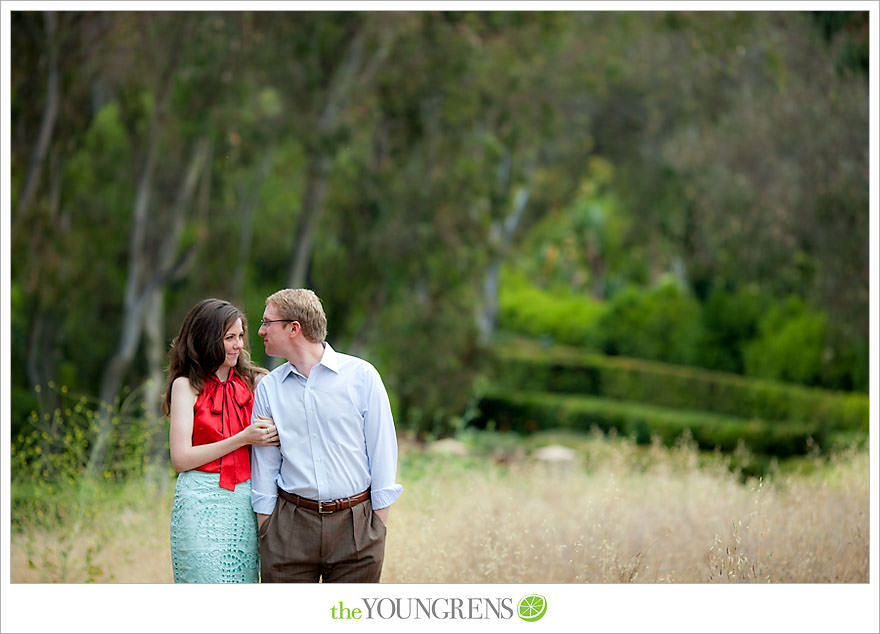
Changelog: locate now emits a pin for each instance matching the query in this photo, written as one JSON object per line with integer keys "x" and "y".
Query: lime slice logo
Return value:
{"x": 532, "y": 607}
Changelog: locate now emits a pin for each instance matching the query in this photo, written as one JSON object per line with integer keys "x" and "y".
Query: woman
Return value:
{"x": 209, "y": 398}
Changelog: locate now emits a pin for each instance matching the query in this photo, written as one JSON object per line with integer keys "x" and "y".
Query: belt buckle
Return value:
{"x": 321, "y": 508}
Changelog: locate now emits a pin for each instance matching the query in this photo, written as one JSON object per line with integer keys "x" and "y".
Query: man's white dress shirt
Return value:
{"x": 336, "y": 431}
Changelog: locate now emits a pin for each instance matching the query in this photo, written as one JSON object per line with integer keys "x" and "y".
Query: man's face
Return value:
{"x": 273, "y": 330}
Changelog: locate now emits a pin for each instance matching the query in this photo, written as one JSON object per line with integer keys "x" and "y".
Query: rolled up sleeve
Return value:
{"x": 381, "y": 442}
{"x": 265, "y": 461}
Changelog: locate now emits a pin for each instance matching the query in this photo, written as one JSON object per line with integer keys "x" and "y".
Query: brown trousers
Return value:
{"x": 300, "y": 545}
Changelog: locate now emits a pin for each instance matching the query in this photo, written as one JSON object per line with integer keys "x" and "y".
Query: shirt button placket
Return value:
{"x": 308, "y": 398}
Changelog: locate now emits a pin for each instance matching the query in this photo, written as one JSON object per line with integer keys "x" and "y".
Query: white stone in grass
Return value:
{"x": 556, "y": 454}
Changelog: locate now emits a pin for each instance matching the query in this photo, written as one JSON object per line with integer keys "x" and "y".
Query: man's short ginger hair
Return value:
{"x": 302, "y": 305}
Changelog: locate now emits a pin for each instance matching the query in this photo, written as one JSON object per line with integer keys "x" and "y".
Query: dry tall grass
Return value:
{"x": 622, "y": 514}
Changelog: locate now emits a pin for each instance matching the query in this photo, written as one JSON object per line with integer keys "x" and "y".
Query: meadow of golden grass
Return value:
{"x": 620, "y": 513}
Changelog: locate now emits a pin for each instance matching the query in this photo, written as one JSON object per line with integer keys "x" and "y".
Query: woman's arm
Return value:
{"x": 183, "y": 455}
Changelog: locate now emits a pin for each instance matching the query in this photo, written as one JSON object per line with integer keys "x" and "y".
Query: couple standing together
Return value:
{"x": 284, "y": 476}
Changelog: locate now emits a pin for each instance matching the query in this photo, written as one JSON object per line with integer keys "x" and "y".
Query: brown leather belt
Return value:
{"x": 324, "y": 507}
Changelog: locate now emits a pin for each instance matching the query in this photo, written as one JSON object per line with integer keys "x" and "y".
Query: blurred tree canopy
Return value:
{"x": 396, "y": 161}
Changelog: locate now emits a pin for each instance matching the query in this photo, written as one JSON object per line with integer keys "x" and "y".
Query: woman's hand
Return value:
{"x": 262, "y": 433}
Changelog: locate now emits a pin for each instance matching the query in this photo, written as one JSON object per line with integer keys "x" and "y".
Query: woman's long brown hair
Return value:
{"x": 197, "y": 350}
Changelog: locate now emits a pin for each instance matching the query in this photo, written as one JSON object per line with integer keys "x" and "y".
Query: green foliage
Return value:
{"x": 562, "y": 316}
{"x": 790, "y": 345}
{"x": 104, "y": 153}
{"x": 785, "y": 342}
{"x": 647, "y": 142}
{"x": 660, "y": 323}
{"x": 528, "y": 412}
{"x": 707, "y": 118}
{"x": 563, "y": 369}
{"x": 851, "y": 28}
{"x": 796, "y": 342}
{"x": 729, "y": 323}
{"x": 579, "y": 247}
{"x": 50, "y": 455}
{"x": 428, "y": 366}
{"x": 846, "y": 360}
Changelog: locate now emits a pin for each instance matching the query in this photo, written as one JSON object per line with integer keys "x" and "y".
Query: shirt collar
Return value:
{"x": 330, "y": 360}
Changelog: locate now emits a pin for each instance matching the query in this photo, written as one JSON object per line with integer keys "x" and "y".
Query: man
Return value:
{"x": 322, "y": 497}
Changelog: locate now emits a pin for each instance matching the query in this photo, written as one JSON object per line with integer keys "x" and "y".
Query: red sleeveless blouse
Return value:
{"x": 222, "y": 410}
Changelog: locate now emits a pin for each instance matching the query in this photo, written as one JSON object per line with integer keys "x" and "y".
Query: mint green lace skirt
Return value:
{"x": 213, "y": 531}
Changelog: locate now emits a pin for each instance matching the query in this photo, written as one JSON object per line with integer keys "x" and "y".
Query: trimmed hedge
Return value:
{"x": 563, "y": 369}
{"x": 527, "y": 412}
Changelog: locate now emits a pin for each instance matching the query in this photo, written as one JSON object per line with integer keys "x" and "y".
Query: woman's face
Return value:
{"x": 233, "y": 342}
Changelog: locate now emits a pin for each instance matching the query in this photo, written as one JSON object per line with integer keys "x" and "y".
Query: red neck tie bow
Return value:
{"x": 229, "y": 399}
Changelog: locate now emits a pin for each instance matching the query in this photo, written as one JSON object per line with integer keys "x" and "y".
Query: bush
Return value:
{"x": 846, "y": 361}
{"x": 569, "y": 370}
{"x": 729, "y": 321}
{"x": 731, "y": 331}
{"x": 55, "y": 447}
{"x": 429, "y": 385}
{"x": 528, "y": 412}
{"x": 798, "y": 343}
{"x": 560, "y": 316}
{"x": 791, "y": 345}
{"x": 661, "y": 323}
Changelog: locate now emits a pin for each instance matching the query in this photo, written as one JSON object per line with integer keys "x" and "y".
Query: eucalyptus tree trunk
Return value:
{"x": 154, "y": 331}
{"x": 47, "y": 125}
{"x": 40, "y": 353}
{"x": 313, "y": 204}
{"x": 249, "y": 199}
{"x": 167, "y": 269}
{"x": 356, "y": 69}
{"x": 501, "y": 234}
{"x": 41, "y": 358}
{"x": 135, "y": 302}
{"x": 149, "y": 270}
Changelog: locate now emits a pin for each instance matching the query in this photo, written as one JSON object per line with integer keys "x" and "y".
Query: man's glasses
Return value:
{"x": 266, "y": 322}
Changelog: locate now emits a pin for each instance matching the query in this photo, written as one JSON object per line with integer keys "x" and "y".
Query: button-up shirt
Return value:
{"x": 336, "y": 431}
